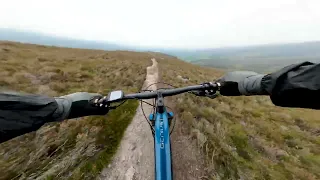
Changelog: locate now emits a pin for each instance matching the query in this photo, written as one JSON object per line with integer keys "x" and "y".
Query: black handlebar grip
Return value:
{"x": 229, "y": 89}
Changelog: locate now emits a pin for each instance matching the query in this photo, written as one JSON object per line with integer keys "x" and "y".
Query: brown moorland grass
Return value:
{"x": 244, "y": 137}
{"x": 78, "y": 148}
{"x": 240, "y": 137}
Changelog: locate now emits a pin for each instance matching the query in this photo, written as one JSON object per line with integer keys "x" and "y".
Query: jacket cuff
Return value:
{"x": 252, "y": 85}
{"x": 63, "y": 110}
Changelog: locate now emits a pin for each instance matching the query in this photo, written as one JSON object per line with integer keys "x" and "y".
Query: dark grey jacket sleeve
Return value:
{"x": 23, "y": 113}
{"x": 297, "y": 85}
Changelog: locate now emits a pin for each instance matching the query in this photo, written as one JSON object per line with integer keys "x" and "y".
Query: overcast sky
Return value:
{"x": 168, "y": 23}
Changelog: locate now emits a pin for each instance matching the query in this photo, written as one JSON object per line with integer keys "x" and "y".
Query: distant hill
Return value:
{"x": 274, "y": 50}
{"x": 263, "y": 58}
{"x": 43, "y": 39}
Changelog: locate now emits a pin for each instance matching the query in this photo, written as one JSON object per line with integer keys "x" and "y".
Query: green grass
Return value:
{"x": 77, "y": 146}
{"x": 240, "y": 137}
{"x": 246, "y": 137}
{"x": 119, "y": 119}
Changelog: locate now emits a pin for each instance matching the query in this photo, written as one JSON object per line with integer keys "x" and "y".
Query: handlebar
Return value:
{"x": 172, "y": 92}
{"x": 206, "y": 89}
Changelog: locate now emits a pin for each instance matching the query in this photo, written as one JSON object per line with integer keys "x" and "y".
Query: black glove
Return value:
{"x": 78, "y": 105}
{"x": 241, "y": 83}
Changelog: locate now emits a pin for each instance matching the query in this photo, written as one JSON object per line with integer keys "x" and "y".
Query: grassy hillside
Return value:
{"x": 245, "y": 137}
{"x": 240, "y": 137}
{"x": 79, "y": 148}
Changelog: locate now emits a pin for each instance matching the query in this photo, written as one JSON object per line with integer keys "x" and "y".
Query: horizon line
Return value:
{"x": 127, "y": 46}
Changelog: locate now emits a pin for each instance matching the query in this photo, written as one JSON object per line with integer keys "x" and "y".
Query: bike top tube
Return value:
{"x": 171, "y": 92}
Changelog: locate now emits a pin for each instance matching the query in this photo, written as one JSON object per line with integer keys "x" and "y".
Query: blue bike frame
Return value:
{"x": 161, "y": 125}
{"x": 160, "y": 120}
{"x": 162, "y": 147}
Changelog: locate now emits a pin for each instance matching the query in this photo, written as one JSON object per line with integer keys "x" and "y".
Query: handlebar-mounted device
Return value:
{"x": 107, "y": 100}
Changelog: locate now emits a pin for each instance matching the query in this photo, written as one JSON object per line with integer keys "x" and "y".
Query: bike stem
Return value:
{"x": 160, "y": 103}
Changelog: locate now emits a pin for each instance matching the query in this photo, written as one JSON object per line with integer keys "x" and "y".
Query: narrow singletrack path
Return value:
{"x": 134, "y": 159}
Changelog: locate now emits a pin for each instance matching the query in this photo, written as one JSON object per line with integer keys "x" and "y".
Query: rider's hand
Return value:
{"x": 241, "y": 83}
{"x": 79, "y": 104}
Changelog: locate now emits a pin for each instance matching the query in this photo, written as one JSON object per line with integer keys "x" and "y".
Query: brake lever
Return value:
{"x": 211, "y": 93}
{"x": 103, "y": 102}
{"x": 100, "y": 102}
{"x": 205, "y": 93}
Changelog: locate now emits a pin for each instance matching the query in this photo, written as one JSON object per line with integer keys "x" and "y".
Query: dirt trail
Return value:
{"x": 134, "y": 159}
